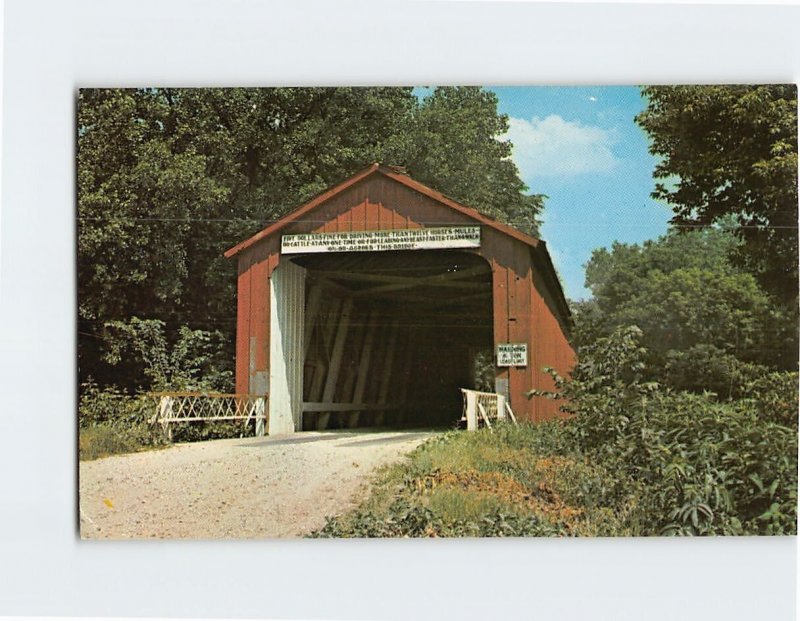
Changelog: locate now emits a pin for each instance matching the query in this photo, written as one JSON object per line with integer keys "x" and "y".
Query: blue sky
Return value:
{"x": 581, "y": 147}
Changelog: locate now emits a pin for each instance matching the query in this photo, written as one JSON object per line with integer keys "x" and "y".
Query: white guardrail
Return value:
{"x": 183, "y": 407}
{"x": 485, "y": 407}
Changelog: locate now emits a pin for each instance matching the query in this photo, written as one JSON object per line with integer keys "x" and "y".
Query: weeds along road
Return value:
{"x": 280, "y": 486}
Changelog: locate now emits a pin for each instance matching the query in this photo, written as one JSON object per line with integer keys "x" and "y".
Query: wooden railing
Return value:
{"x": 184, "y": 407}
{"x": 481, "y": 408}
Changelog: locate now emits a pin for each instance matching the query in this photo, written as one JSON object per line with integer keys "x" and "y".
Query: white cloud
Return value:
{"x": 553, "y": 147}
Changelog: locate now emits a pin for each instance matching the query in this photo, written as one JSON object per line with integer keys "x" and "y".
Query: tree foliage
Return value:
{"x": 705, "y": 322}
{"x": 170, "y": 178}
{"x": 191, "y": 362}
{"x": 732, "y": 151}
{"x": 454, "y": 147}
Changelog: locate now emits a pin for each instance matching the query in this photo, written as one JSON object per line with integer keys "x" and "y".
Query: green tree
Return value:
{"x": 137, "y": 197}
{"x": 732, "y": 151}
{"x": 170, "y": 178}
{"x": 455, "y": 147}
{"x": 692, "y": 304}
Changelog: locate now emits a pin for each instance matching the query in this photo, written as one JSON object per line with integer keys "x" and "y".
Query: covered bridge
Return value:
{"x": 377, "y": 300}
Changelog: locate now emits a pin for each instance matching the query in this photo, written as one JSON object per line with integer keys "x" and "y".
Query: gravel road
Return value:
{"x": 281, "y": 486}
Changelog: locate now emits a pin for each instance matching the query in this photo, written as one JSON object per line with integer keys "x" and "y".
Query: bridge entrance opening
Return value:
{"x": 390, "y": 337}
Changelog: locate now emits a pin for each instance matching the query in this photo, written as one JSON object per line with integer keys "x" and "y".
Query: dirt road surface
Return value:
{"x": 241, "y": 488}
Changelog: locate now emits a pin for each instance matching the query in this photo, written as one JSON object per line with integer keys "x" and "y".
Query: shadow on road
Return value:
{"x": 361, "y": 437}
{"x": 299, "y": 438}
{"x": 401, "y": 436}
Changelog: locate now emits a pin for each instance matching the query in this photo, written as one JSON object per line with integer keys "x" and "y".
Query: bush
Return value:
{"x": 702, "y": 467}
{"x": 632, "y": 458}
{"x": 111, "y": 422}
{"x": 774, "y": 396}
{"x": 192, "y": 360}
{"x": 106, "y": 439}
{"x": 110, "y": 405}
{"x": 706, "y": 368}
{"x": 117, "y": 422}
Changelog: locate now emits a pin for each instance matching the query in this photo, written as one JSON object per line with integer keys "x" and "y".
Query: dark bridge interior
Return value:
{"x": 392, "y": 336}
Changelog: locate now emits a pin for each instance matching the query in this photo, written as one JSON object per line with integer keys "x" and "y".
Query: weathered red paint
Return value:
{"x": 528, "y": 303}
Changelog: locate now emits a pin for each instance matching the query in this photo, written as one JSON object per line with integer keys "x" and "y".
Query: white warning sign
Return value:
{"x": 372, "y": 241}
{"x": 512, "y": 354}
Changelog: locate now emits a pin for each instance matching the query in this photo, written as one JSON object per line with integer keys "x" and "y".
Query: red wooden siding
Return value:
{"x": 373, "y": 205}
{"x": 523, "y": 315}
{"x": 553, "y": 348}
{"x": 243, "y": 329}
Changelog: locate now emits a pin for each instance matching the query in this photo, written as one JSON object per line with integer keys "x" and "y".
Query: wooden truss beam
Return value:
{"x": 383, "y": 391}
{"x": 312, "y": 308}
{"x": 336, "y": 360}
{"x": 363, "y": 365}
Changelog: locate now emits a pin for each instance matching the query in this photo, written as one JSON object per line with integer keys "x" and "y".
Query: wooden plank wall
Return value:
{"x": 253, "y": 314}
{"x": 552, "y": 345}
{"x": 525, "y": 311}
{"x": 377, "y": 204}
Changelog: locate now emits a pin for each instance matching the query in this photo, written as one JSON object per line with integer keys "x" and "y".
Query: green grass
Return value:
{"x": 514, "y": 481}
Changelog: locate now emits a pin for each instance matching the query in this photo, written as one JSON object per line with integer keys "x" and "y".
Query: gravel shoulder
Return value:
{"x": 281, "y": 486}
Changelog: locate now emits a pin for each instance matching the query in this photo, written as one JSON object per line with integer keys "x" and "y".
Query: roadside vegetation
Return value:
{"x": 114, "y": 420}
{"x": 632, "y": 459}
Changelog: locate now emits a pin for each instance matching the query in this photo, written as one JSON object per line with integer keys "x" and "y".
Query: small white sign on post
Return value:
{"x": 372, "y": 241}
{"x": 512, "y": 354}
